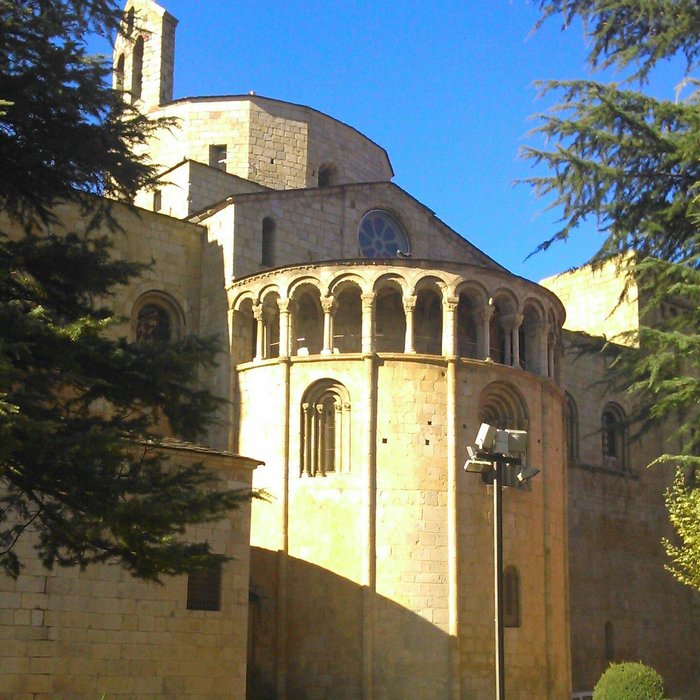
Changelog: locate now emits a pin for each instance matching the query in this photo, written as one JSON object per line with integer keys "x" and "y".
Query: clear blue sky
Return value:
{"x": 445, "y": 86}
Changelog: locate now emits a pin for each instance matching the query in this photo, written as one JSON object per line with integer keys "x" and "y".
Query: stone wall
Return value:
{"x": 67, "y": 634}
{"x": 273, "y": 143}
{"x": 598, "y": 302}
{"x": 353, "y": 569}
{"x": 322, "y": 224}
{"x": 617, "y": 519}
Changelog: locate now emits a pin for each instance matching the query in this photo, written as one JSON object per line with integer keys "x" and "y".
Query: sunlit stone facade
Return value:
{"x": 364, "y": 344}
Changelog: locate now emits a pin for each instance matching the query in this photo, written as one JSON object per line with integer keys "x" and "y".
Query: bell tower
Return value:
{"x": 144, "y": 55}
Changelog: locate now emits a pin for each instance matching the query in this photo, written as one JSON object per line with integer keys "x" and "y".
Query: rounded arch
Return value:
{"x": 241, "y": 298}
{"x": 270, "y": 289}
{"x": 427, "y": 320}
{"x": 137, "y": 70}
{"x": 303, "y": 282}
{"x": 571, "y": 427}
{"x": 389, "y": 317}
{"x": 119, "y": 73}
{"x": 503, "y": 406}
{"x": 473, "y": 290}
{"x": 344, "y": 281}
{"x": 307, "y": 318}
{"x": 325, "y": 429}
{"x": 271, "y": 324}
{"x": 471, "y": 311}
{"x": 532, "y": 337}
{"x": 156, "y": 317}
{"x": 245, "y": 329}
{"x": 504, "y": 306}
{"x": 347, "y": 316}
{"x": 268, "y": 235}
{"x": 382, "y": 235}
{"x": 613, "y": 430}
{"x": 433, "y": 282}
{"x": 390, "y": 280}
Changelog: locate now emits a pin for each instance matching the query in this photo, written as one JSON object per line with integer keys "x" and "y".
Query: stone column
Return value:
{"x": 484, "y": 315}
{"x": 449, "y": 326}
{"x": 453, "y": 597}
{"x": 319, "y": 435}
{"x": 306, "y": 434}
{"x": 514, "y": 322}
{"x": 327, "y": 306}
{"x": 259, "y": 336}
{"x": 409, "y": 304}
{"x": 368, "y": 323}
{"x": 542, "y": 359}
{"x": 284, "y": 327}
{"x": 507, "y": 343}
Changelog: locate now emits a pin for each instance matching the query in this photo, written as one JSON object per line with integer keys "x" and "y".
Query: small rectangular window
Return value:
{"x": 217, "y": 156}
{"x": 204, "y": 589}
{"x": 157, "y": 200}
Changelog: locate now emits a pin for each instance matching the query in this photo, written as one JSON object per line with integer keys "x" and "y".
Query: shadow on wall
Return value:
{"x": 323, "y": 638}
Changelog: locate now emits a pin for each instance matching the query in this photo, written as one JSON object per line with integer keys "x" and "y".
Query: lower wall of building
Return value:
{"x": 71, "y": 634}
{"x": 351, "y": 571}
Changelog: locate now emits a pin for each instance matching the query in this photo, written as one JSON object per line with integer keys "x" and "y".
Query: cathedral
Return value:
{"x": 367, "y": 342}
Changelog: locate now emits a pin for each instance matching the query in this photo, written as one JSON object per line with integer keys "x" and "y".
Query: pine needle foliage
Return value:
{"x": 81, "y": 411}
{"x": 630, "y": 163}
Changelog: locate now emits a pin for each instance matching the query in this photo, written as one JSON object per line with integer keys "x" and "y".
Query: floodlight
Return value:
{"x": 476, "y": 464}
{"x": 480, "y": 466}
{"x": 526, "y": 473}
{"x": 517, "y": 441}
{"x": 485, "y": 437}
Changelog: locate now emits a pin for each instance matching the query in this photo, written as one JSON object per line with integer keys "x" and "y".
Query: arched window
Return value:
{"x": 381, "y": 236}
{"x": 613, "y": 442}
{"x": 325, "y": 429}
{"x": 609, "y": 642}
{"x": 271, "y": 326}
{"x": 137, "y": 71}
{"x": 511, "y": 597}
{"x": 307, "y": 322}
{"x": 153, "y": 324}
{"x": 501, "y": 406}
{"x": 119, "y": 74}
{"x": 427, "y": 322}
{"x": 130, "y": 21}
{"x": 571, "y": 422}
{"x": 390, "y": 320}
{"x": 467, "y": 327}
{"x": 156, "y": 318}
{"x": 347, "y": 320}
{"x": 245, "y": 329}
{"x": 327, "y": 175}
{"x": 530, "y": 341}
{"x": 267, "y": 242}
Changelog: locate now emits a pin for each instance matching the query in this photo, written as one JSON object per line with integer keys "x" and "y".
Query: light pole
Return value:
{"x": 495, "y": 449}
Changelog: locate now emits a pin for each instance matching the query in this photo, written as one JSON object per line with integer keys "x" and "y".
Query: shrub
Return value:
{"x": 629, "y": 681}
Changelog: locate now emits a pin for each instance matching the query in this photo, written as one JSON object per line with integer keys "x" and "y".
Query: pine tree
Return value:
{"x": 80, "y": 468}
{"x": 631, "y": 163}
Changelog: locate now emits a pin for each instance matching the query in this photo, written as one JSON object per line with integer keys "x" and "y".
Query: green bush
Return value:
{"x": 629, "y": 681}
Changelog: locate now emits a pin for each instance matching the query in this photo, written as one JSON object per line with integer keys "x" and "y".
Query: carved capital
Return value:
{"x": 283, "y": 305}
{"x": 485, "y": 313}
{"x": 450, "y": 303}
{"x": 511, "y": 321}
{"x": 409, "y": 303}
